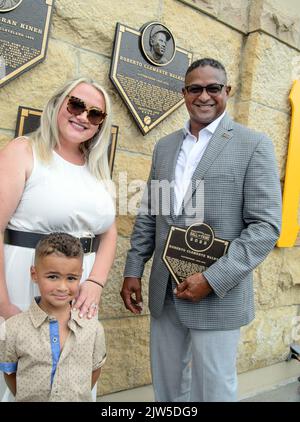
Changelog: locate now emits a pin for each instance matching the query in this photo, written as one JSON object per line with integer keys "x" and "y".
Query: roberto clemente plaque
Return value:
{"x": 24, "y": 30}
{"x": 192, "y": 250}
{"x": 148, "y": 70}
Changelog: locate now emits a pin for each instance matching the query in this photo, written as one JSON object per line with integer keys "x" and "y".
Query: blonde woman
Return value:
{"x": 57, "y": 180}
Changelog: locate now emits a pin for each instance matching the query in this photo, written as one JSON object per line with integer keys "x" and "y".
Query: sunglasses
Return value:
{"x": 76, "y": 106}
{"x": 211, "y": 89}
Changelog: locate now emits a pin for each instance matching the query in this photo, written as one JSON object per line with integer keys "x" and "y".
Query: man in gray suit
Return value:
{"x": 195, "y": 325}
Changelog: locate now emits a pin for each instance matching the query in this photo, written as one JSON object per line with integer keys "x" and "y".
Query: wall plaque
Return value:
{"x": 28, "y": 120}
{"x": 148, "y": 71}
{"x": 24, "y": 30}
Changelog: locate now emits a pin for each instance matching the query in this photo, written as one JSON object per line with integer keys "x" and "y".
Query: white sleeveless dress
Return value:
{"x": 58, "y": 197}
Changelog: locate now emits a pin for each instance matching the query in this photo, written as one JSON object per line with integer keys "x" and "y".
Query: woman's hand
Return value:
{"x": 8, "y": 310}
{"x": 88, "y": 299}
{"x": 90, "y": 292}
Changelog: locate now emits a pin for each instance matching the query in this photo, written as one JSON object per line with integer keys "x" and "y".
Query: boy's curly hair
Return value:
{"x": 60, "y": 243}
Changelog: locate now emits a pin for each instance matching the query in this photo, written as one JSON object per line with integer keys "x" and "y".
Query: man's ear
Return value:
{"x": 228, "y": 89}
{"x": 33, "y": 273}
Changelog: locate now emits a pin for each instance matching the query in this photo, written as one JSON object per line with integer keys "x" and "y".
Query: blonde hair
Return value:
{"x": 46, "y": 137}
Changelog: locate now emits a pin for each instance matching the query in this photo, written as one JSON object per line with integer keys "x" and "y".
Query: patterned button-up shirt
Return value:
{"x": 29, "y": 345}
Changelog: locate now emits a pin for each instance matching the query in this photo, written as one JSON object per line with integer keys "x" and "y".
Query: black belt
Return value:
{"x": 30, "y": 240}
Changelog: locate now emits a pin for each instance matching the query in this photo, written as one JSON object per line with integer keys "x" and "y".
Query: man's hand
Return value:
{"x": 132, "y": 286}
{"x": 193, "y": 288}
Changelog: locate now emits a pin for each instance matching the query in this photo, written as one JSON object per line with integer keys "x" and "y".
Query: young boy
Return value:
{"x": 48, "y": 353}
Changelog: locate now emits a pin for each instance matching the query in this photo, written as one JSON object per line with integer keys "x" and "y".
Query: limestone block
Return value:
{"x": 94, "y": 66}
{"x": 291, "y": 259}
{"x": 204, "y": 36}
{"x": 273, "y": 123}
{"x": 91, "y": 24}
{"x": 125, "y": 224}
{"x": 267, "y": 73}
{"x": 130, "y": 175}
{"x": 288, "y": 296}
{"x": 267, "y": 280}
{"x": 211, "y": 7}
{"x": 111, "y": 302}
{"x": 231, "y": 106}
{"x": 266, "y": 340}
{"x": 131, "y": 171}
{"x": 127, "y": 364}
{"x": 34, "y": 87}
{"x": 277, "y": 19}
{"x": 4, "y": 139}
{"x": 276, "y": 280}
{"x": 233, "y": 13}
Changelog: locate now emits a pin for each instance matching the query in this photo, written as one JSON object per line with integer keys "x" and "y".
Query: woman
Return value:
{"x": 57, "y": 180}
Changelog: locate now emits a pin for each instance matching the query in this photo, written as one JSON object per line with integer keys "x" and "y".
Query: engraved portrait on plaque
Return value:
{"x": 148, "y": 70}
{"x": 158, "y": 44}
{"x": 7, "y": 5}
{"x": 24, "y": 31}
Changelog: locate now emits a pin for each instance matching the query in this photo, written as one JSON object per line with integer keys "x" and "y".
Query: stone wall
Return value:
{"x": 258, "y": 41}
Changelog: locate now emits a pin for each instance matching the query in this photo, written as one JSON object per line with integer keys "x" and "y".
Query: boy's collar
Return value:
{"x": 38, "y": 316}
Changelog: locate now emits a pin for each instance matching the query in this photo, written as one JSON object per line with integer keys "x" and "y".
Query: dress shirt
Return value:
{"x": 31, "y": 348}
{"x": 190, "y": 154}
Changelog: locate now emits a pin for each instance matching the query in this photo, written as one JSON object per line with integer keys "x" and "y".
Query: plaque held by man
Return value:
{"x": 192, "y": 250}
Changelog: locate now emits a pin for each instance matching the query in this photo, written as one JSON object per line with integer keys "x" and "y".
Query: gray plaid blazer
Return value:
{"x": 242, "y": 202}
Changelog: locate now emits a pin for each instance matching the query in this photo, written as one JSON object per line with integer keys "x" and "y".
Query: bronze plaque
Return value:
{"x": 28, "y": 120}
{"x": 192, "y": 250}
{"x": 24, "y": 30}
{"x": 148, "y": 71}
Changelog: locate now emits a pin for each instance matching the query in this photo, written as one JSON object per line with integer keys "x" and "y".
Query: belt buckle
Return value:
{"x": 91, "y": 237}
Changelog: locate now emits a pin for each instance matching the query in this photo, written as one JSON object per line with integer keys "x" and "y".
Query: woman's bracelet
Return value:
{"x": 96, "y": 282}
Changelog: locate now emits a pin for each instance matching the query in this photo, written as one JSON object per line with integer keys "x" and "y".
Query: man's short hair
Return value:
{"x": 59, "y": 243}
{"x": 159, "y": 28}
{"x": 207, "y": 62}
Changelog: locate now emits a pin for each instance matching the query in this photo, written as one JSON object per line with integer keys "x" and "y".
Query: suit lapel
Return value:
{"x": 222, "y": 135}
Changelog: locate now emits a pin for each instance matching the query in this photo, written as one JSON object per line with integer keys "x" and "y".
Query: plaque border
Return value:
{"x": 41, "y": 56}
{"x": 25, "y": 112}
{"x": 120, "y": 29}
{"x": 172, "y": 228}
